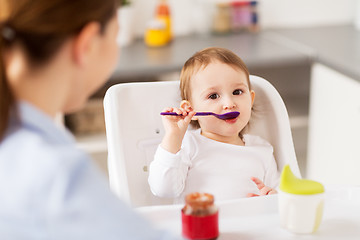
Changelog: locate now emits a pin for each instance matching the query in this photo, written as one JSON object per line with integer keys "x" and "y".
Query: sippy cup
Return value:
{"x": 301, "y": 203}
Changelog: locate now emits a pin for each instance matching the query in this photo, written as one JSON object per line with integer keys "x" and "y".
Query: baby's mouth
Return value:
{"x": 231, "y": 120}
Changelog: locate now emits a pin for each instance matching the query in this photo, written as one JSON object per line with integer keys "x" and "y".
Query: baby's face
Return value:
{"x": 220, "y": 88}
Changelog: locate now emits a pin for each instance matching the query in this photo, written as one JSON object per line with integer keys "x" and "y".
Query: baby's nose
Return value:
{"x": 229, "y": 104}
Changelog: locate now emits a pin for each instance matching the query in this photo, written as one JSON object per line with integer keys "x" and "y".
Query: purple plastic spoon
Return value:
{"x": 225, "y": 116}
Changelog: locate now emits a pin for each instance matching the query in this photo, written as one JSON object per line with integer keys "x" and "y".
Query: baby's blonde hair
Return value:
{"x": 201, "y": 60}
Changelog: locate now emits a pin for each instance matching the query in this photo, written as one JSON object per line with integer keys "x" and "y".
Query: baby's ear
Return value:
{"x": 252, "y": 94}
{"x": 185, "y": 104}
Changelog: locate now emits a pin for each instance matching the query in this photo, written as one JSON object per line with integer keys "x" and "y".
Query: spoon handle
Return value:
{"x": 169, "y": 114}
{"x": 204, "y": 113}
{"x": 196, "y": 114}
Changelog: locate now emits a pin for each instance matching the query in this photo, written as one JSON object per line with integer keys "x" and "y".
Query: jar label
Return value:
{"x": 200, "y": 227}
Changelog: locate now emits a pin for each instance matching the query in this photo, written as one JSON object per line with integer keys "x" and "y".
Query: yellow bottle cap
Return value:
{"x": 289, "y": 183}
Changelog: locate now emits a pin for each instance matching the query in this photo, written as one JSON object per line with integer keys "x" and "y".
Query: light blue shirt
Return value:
{"x": 49, "y": 189}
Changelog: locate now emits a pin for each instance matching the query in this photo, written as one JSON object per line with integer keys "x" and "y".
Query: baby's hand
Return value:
{"x": 264, "y": 190}
{"x": 175, "y": 127}
{"x": 177, "y": 124}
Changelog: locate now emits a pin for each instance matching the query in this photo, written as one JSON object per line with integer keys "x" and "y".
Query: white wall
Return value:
{"x": 195, "y": 15}
{"x": 187, "y": 15}
{"x": 305, "y": 13}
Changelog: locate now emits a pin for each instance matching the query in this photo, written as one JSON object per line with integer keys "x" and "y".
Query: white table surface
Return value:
{"x": 258, "y": 218}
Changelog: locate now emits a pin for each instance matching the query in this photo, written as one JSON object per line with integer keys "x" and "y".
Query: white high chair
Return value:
{"x": 134, "y": 130}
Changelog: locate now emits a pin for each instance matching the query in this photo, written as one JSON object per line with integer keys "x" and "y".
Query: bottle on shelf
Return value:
{"x": 159, "y": 32}
{"x": 221, "y": 23}
{"x": 254, "y": 26}
{"x": 163, "y": 14}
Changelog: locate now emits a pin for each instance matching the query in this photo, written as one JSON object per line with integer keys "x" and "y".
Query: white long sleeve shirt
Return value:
{"x": 206, "y": 165}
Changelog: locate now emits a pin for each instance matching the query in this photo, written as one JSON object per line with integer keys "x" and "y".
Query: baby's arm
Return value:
{"x": 264, "y": 190}
{"x": 175, "y": 128}
{"x": 167, "y": 173}
{"x": 168, "y": 170}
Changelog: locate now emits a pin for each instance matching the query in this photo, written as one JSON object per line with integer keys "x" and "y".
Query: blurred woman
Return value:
{"x": 53, "y": 56}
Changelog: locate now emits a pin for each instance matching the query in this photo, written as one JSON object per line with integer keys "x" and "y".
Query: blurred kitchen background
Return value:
{"x": 309, "y": 50}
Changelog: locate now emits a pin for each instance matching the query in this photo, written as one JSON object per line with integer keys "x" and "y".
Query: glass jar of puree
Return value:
{"x": 200, "y": 217}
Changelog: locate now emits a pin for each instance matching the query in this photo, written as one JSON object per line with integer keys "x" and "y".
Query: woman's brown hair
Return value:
{"x": 41, "y": 27}
{"x": 203, "y": 58}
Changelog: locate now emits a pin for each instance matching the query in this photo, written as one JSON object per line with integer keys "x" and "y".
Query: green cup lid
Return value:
{"x": 289, "y": 183}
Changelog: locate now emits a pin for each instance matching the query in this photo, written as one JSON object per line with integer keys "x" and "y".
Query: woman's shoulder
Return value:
{"x": 26, "y": 146}
{"x": 42, "y": 163}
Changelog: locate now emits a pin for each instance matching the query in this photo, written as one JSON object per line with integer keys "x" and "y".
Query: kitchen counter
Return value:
{"x": 335, "y": 46}
{"x": 140, "y": 62}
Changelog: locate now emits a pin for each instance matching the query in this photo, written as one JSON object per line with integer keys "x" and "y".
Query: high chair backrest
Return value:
{"x": 134, "y": 129}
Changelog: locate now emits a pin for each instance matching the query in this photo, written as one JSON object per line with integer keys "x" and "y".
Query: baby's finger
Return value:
{"x": 252, "y": 195}
{"x": 168, "y": 109}
{"x": 258, "y": 182}
{"x": 273, "y": 191}
{"x": 265, "y": 191}
{"x": 178, "y": 111}
{"x": 191, "y": 113}
{"x": 189, "y": 116}
{"x": 187, "y": 119}
{"x": 184, "y": 111}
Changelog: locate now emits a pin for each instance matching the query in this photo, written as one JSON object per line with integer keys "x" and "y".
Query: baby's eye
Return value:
{"x": 237, "y": 92}
{"x": 214, "y": 96}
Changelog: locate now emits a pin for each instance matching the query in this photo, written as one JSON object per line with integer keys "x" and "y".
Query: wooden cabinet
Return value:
{"x": 334, "y": 127}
